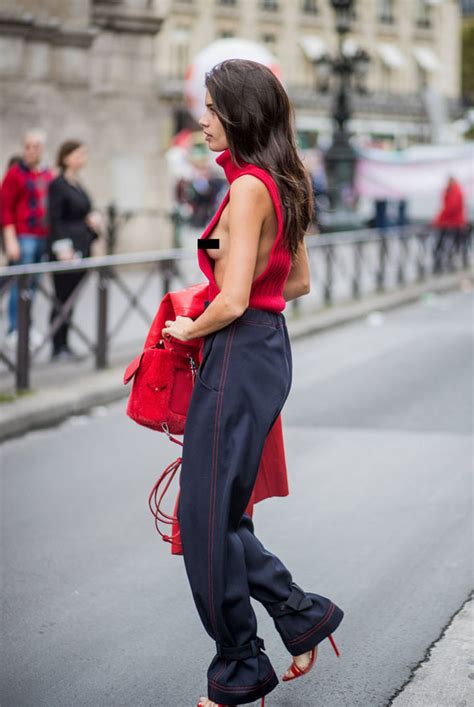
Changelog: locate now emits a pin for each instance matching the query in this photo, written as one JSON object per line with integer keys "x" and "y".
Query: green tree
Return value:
{"x": 467, "y": 61}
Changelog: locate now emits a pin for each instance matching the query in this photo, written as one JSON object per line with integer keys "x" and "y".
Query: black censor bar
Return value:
{"x": 208, "y": 243}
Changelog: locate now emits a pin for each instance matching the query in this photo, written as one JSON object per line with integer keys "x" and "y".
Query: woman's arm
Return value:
{"x": 248, "y": 204}
{"x": 299, "y": 279}
{"x": 61, "y": 243}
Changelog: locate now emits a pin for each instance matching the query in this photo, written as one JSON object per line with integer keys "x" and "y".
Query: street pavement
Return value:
{"x": 378, "y": 437}
{"x": 61, "y": 389}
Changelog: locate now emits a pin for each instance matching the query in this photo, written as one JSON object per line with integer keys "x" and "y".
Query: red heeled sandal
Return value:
{"x": 298, "y": 672}
{"x": 200, "y": 704}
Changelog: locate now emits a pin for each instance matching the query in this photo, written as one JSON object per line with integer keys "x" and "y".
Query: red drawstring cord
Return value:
{"x": 170, "y": 471}
{"x": 154, "y": 501}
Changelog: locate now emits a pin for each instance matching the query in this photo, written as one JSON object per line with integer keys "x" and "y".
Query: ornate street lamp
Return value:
{"x": 340, "y": 158}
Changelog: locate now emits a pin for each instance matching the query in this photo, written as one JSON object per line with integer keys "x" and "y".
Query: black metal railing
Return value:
{"x": 344, "y": 267}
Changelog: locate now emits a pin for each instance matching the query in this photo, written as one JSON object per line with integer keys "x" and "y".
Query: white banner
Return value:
{"x": 420, "y": 171}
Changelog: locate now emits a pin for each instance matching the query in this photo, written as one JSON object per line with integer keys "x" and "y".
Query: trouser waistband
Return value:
{"x": 259, "y": 316}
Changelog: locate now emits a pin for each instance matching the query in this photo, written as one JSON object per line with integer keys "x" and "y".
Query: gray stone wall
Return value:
{"x": 82, "y": 69}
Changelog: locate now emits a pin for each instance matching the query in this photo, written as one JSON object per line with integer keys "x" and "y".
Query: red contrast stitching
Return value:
{"x": 219, "y": 672}
{"x": 323, "y": 621}
{"x": 212, "y": 501}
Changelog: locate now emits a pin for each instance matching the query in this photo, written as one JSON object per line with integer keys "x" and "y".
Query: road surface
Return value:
{"x": 96, "y": 611}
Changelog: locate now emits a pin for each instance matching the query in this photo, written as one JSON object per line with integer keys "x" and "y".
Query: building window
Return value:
{"x": 269, "y": 4}
{"x": 269, "y": 40}
{"x": 310, "y": 7}
{"x": 386, "y": 77}
{"x": 386, "y": 11}
{"x": 421, "y": 78}
{"x": 227, "y": 3}
{"x": 423, "y": 14}
{"x": 226, "y": 34}
{"x": 179, "y": 52}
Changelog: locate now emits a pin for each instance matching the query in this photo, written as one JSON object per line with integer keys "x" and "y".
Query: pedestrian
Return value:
{"x": 242, "y": 383}
{"x": 450, "y": 222}
{"x": 24, "y": 219}
{"x": 14, "y": 159}
{"x": 74, "y": 225}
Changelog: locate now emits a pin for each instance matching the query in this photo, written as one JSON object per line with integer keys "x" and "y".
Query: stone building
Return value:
{"x": 86, "y": 69}
{"x": 413, "y": 76}
{"x": 111, "y": 72}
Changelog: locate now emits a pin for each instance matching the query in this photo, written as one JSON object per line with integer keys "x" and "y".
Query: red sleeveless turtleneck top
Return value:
{"x": 267, "y": 288}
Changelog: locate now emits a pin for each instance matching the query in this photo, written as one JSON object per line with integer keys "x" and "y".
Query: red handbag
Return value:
{"x": 163, "y": 377}
{"x": 163, "y": 374}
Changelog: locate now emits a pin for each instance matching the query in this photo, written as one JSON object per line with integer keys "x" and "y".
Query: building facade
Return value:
{"x": 86, "y": 69}
{"x": 413, "y": 78}
{"x": 111, "y": 73}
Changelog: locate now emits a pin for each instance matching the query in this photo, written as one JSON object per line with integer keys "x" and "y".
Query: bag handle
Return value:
{"x": 154, "y": 501}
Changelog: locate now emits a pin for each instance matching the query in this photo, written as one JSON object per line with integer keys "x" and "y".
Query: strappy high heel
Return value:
{"x": 299, "y": 672}
{"x": 200, "y": 704}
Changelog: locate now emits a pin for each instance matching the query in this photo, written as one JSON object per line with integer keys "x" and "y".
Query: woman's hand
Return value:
{"x": 95, "y": 221}
{"x": 66, "y": 254}
{"x": 180, "y": 328}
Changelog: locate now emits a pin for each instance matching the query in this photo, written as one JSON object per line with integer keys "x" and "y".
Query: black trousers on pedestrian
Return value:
{"x": 242, "y": 384}
{"x": 64, "y": 286}
{"x": 449, "y": 242}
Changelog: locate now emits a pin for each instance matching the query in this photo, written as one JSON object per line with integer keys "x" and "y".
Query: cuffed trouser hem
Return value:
{"x": 302, "y": 630}
{"x": 236, "y": 682}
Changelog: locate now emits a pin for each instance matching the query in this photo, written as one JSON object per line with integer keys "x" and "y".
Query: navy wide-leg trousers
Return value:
{"x": 241, "y": 386}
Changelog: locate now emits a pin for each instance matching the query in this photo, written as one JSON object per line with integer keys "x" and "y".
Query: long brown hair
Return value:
{"x": 258, "y": 121}
{"x": 65, "y": 149}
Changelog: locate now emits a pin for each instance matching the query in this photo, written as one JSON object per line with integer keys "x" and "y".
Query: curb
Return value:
{"x": 52, "y": 406}
{"x": 445, "y": 669}
{"x": 346, "y": 313}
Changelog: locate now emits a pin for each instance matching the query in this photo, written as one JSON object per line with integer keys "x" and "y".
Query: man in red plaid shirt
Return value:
{"x": 24, "y": 214}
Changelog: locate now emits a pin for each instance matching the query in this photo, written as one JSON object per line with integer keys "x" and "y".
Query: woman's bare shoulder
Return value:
{"x": 248, "y": 186}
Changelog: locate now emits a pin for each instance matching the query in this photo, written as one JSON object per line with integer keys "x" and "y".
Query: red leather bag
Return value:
{"x": 163, "y": 378}
{"x": 163, "y": 374}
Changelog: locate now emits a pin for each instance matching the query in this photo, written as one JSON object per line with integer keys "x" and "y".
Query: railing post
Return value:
{"x": 166, "y": 269}
{"x": 177, "y": 222}
{"x": 328, "y": 283}
{"x": 380, "y": 275}
{"x": 356, "y": 278}
{"x": 401, "y": 260}
{"x": 101, "y": 354}
{"x": 466, "y": 245}
{"x": 23, "y": 342}
{"x": 111, "y": 240}
{"x": 420, "y": 262}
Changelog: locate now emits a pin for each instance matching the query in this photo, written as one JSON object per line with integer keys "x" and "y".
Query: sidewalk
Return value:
{"x": 72, "y": 389}
{"x": 445, "y": 676}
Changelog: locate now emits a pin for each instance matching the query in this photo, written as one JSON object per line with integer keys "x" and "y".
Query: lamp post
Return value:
{"x": 340, "y": 158}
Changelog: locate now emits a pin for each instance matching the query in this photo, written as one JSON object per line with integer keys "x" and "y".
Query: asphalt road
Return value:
{"x": 378, "y": 425}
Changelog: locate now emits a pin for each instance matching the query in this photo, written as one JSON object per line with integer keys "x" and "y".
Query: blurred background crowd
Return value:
{"x": 124, "y": 78}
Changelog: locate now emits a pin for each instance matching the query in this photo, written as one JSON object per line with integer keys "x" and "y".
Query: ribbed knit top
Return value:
{"x": 267, "y": 288}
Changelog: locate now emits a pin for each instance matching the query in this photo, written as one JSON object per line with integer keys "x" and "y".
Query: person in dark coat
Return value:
{"x": 73, "y": 227}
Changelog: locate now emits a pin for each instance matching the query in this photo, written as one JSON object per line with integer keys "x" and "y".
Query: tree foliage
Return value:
{"x": 467, "y": 62}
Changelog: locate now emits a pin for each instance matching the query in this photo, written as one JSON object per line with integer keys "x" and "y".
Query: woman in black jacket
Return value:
{"x": 73, "y": 227}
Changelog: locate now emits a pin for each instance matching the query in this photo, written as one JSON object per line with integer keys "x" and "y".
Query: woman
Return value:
{"x": 243, "y": 381}
{"x": 73, "y": 227}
